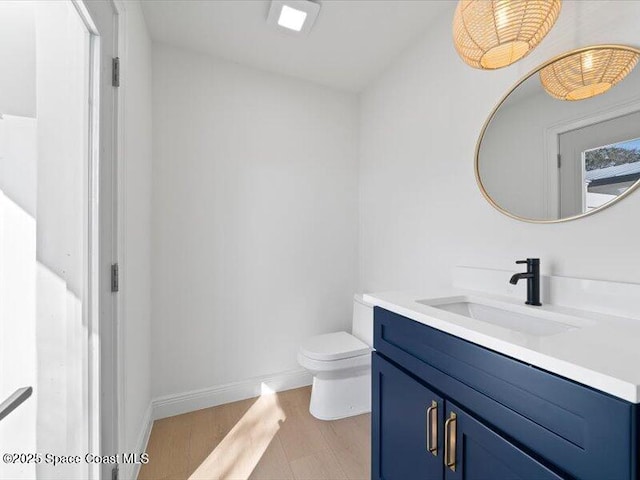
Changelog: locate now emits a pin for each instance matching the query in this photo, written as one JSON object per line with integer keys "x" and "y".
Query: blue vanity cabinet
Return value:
{"x": 407, "y": 416}
{"x": 478, "y": 453}
{"x": 412, "y": 440}
{"x": 513, "y": 420}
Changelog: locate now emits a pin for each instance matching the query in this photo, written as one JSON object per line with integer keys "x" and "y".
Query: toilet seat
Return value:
{"x": 350, "y": 363}
{"x": 335, "y": 346}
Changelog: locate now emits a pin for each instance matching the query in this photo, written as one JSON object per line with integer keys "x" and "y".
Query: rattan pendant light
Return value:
{"x": 491, "y": 34}
{"x": 588, "y": 73}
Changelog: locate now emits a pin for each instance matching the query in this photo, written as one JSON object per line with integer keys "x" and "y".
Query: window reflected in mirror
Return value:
{"x": 610, "y": 171}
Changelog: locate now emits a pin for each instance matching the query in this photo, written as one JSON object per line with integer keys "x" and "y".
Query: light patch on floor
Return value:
{"x": 237, "y": 455}
{"x": 269, "y": 437}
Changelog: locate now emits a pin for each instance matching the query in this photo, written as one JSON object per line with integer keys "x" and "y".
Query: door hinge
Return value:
{"x": 115, "y": 278}
{"x": 559, "y": 161}
{"x": 114, "y": 473}
{"x": 115, "y": 72}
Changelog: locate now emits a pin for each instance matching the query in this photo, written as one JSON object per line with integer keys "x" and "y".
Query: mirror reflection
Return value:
{"x": 566, "y": 141}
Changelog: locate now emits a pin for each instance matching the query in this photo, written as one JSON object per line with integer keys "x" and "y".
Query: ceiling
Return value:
{"x": 351, "y": 43}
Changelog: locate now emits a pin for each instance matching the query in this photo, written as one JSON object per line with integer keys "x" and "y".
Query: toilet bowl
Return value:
{"x": 340, "y": 363}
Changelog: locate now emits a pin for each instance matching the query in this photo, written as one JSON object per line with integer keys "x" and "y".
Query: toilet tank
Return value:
{"x": 362, "y": 323}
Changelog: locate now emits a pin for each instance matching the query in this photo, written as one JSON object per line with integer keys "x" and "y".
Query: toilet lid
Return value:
{"x": 333, "y": 346}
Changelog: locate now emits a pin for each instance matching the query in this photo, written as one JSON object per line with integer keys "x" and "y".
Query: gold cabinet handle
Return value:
{"x": 432, "y": 428}
{"x": 450, "y": 442}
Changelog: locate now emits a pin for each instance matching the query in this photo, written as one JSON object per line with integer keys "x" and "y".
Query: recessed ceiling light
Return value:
{"x": 293, "y": 16}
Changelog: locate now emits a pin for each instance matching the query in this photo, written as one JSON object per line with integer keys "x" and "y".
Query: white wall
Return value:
{"x": 421, "y": 212}
{"x": 135, "y": 223}
{"x": 18, "y": 58}
{"x": 254, "y": 219}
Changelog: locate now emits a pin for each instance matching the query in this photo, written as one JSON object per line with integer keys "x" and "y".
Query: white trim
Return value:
{"x": 131, "y": 471}
{"x": 551, "y": 185}
{"x": 121, "y": 11}
{"x": 85, "y": 16}
{"x": 552, "y": 176}
{"x": 93, "y": 241}
{"x": 170, "y": 405}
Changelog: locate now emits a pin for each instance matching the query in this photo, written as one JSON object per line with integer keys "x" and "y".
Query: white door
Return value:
{"x": 573, "y": 146}
{"x": 56, "y": 238}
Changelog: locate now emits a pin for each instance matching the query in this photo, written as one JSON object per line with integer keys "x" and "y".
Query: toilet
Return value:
{"x": 340, "y": 363}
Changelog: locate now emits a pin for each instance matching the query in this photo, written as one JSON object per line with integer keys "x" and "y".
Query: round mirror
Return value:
{"x": 565, "y": 141}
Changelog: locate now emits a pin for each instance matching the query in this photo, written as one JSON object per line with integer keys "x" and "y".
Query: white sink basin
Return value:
{"x": 512, "y": 317}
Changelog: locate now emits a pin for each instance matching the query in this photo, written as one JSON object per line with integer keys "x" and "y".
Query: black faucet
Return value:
{"x": 533, "y": 280}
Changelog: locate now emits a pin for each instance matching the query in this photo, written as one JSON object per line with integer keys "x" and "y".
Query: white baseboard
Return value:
{"x": 170, "y": 405}
{"x": 130, "y": 471}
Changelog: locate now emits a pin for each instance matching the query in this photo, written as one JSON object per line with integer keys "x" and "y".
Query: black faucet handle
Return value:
{"x": 529, "y": 261}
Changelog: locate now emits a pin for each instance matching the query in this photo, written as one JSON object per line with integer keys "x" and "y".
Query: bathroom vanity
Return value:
{"x": 446, "y": 406}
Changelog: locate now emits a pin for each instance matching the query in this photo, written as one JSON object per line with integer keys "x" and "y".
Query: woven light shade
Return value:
{"x": 493, "y": 34}
{"x": 588, "y": 73}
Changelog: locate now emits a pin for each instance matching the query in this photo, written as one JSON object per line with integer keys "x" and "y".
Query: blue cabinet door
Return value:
{"x": 406, "y": 426}
{"x": 475, "y": 452}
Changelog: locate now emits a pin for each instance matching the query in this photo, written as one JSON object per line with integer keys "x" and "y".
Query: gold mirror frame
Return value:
{"x": 487, "y": 122}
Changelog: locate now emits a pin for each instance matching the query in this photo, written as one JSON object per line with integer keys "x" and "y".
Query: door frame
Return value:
{"x": 119, "y": 211}
{"x": 101, "y": 20}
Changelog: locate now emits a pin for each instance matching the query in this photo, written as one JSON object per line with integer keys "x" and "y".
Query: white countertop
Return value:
{"x": 603, "y": 352}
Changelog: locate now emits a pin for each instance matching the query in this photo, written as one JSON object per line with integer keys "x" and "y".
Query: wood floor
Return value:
{"x": 272, "y": 437}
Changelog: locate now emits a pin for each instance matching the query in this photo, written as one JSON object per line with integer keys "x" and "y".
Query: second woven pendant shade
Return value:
{"x": 491, "y": 34}
{"x": 587, "y": 74}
